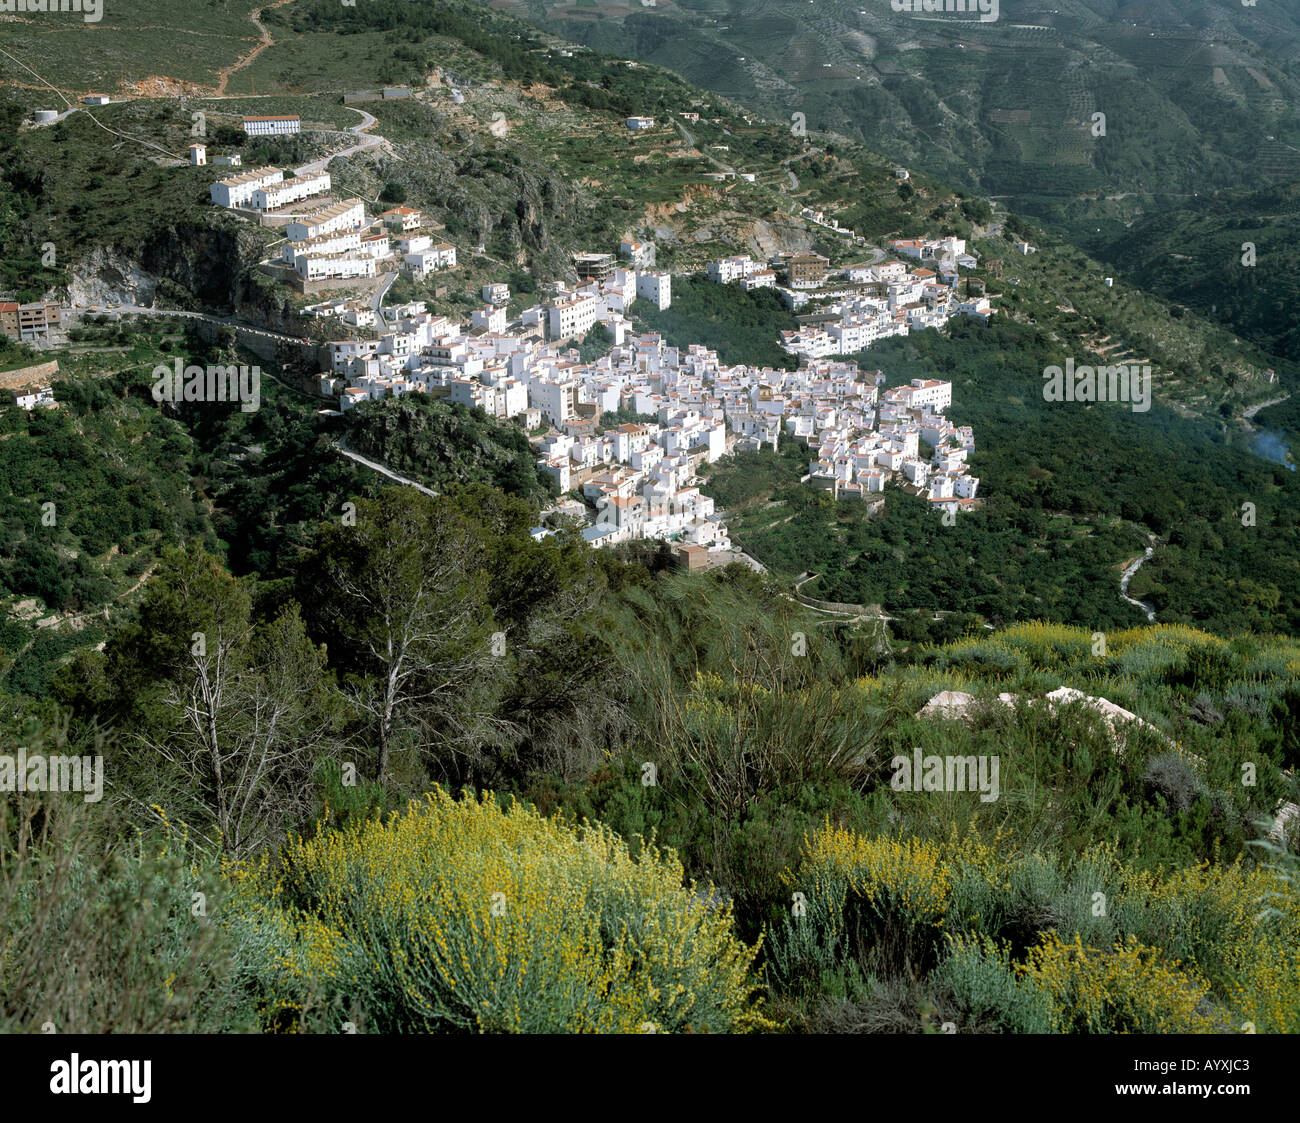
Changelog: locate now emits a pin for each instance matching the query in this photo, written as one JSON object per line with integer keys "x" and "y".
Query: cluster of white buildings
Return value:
{"x": 333, "y": 243}
{"x": 867, "y": 302}
{"x": 237, "y": 190}
{"x": 905, "y": 439}
{"x": 335, "y": 240}
{"x": 741, "y": 268}
{"x": 571, "y": 313}
{"x": 354, "y": 313}
{"x": 283, "y": 192}
{"x": 937, "y": 250}
{"x": 640, "y": 477}
{"x": 879, "y": 301}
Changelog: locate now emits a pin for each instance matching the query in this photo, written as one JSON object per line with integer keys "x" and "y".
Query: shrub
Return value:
{"x": 466, "y": 916}
{"x": 102, "y": 942}
{"x": 896, "y": 1005}
{"x": 1132, "y": 988}
{"x": 876, "y": 900}
{"x": 988, "y": 993}
{"x": 1170, "y": 777}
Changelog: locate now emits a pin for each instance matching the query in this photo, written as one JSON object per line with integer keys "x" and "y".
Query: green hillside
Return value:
{"x": 375, "y": 759}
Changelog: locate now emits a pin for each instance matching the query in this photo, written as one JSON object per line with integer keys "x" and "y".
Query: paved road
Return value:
{"x": 690, "y": 139}
{"x": 378, "y": 299}
{"x": 1128, "y": 576}
{"x": 342, "y": 445}
{"x": 60, "y": 117}
{"x": 366, "y": 142}
{"x": 794, "y": 179}
{"x": 229, "y": 321}
{"x": 1249, "y": 412}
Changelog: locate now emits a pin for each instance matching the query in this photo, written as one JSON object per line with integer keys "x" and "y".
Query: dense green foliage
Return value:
{"x": 1060, "y": 512}
{"x": 432, "y": 641}
{"x": 1227, "y": 256}
{"x": 742, "y": 327}
{"x": 441, "y": 443}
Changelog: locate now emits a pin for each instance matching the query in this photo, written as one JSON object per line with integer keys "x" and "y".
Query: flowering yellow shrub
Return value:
{"x": 892, "y": 874}
{"x": 459, "y": 915}
{"x": 874, "y": 899}
{"x": 1185, "y": 951}
{"x": 1129, "y": 989}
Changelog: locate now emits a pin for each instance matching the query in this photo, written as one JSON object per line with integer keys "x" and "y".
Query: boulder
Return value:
{"x": 950, "y": 705}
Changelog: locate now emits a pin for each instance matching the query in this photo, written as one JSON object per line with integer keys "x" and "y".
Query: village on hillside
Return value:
{"x": 639, "y": 478}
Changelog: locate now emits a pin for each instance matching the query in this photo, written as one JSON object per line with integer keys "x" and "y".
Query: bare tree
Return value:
{"x": 253, "y": 717}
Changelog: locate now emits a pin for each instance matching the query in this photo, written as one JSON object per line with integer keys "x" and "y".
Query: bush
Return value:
{"x": 1132, "y": 988}
{"x": 1170, "y": 778}
{"x": 464, "y": 916}
{"x": 877, "y": 901}
{"x": 96, "y": 942}
{"x": 985, "y": 989}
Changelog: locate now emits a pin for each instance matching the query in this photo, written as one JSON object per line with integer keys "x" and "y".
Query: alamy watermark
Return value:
{"x": 101, "y": 1077}
{"x": 54, "y": 773}
{"x": 1124, "y": 382}
{"x": 918, "y": 773}
{"x": 92, "y": 11}
{"x": 987, "y": 9}
{"x": 213, "y": 383}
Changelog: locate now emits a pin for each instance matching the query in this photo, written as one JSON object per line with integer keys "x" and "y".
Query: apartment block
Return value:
{"x": 347, "y": 215}
{"x": 341, "y": 242}
{"x": 272, "y": 126}
{"x": 572, "y": 316}
{"x": 237, "y": 190}
{"x": 275, "y": 195}
{"x": 334, "y": 266}
{"x": 657, "y": 288}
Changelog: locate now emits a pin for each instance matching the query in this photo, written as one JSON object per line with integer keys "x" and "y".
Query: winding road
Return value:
{"x": 1248, "y": 414}
{"x": 265, "y": 40}
{"x": 1131, "y": 569}
{"x": 366, "y": 142}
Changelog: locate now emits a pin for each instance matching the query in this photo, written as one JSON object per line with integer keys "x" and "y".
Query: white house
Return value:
{"x": 342, "y": 241}
{"x": 423, "y": 262}
{"x": 275, "y": 195}
{"x": 556, "y": 398}
{"x": 640, "y": 123}
{"x": 43, "y": 396}
{"x": 489, "y": 318}
{"x": 731, "y": 269}
{"x": 334, "y": 266}
{"x": 927, "y": 392}
{"x": 763, "y": 279}
{"x": 402, "y": 218}
{"x": 640, "y": 254}
{"x": 657, "y": 288}
{"x": 416, "y": 243}
{"x": 572, "y": 316}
